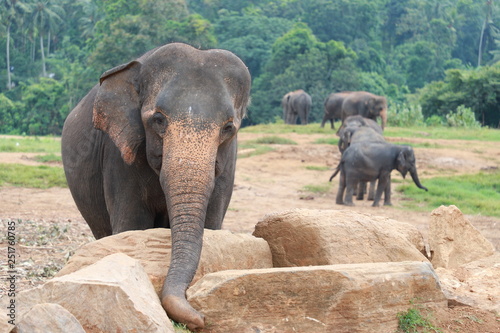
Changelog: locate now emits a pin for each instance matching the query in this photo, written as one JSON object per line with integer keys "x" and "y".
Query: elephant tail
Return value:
{"x": 335, "y": 173}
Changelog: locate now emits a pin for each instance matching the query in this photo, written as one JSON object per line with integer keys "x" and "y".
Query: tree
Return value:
{"x": 45, "y": 17}
{"x": 12, "y": 12}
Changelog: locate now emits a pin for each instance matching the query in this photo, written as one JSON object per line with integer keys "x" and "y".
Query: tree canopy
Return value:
{"x": 442, "y": 55}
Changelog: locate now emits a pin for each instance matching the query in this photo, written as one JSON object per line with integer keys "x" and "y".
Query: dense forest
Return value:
{"x": 434, "y": 58}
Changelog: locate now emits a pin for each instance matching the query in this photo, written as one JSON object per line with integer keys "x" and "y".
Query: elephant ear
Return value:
{"x": 402, "y": 163}
{"x": 117, "y": 109}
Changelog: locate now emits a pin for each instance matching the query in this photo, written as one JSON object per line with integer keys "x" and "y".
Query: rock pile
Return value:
{"x": 301, "y": 271}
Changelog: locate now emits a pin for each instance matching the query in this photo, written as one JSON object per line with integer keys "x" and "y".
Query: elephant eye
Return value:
{"x": 228, "y": 128}
{"x": 159, "y": 119}
{"x": 159, "y": 123}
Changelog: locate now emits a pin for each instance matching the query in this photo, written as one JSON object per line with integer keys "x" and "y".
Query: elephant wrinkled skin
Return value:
{"x": 154, "y": 145}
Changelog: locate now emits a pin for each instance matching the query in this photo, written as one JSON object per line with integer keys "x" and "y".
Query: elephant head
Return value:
{"x": 185, "y": 106}
{"x": 406, "y": 162}
{"x": 377, "y": 107}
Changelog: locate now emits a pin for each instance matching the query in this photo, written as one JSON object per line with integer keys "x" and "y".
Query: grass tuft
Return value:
{"x": 31, "y": 176}
{"x": 473, "y": 194}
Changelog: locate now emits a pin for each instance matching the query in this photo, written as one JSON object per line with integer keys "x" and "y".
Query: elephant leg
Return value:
{"x": 332, "y": 123}
{"x": 371, "y": 192}
{"x": 350, "y": 186}
{"x": 382, "y": 183}
{"x": 340, "y": 192}
{"x": 361, "y": 191}
{"x": 387, "y": 193}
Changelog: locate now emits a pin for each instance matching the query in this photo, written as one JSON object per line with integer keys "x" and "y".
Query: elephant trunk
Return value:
{"x": 383, "y": 117}
{"x": 416, "y": 180}
{"x": 187, "y": 178}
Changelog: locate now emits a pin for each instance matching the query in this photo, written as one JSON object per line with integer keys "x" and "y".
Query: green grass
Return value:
{"x": 30, "y": 144}
{"x": 31, "y": 176}
{"x": 334, "y": 140}
{"x": 273, "y": 140}
{"x": 317, "y": 168}
{"x": 318, "y": 188}
{"x": 412, "y": 321}
{"x": 428, "y": 132}
{"x": 48, "y": 158}
{"x": 472, "y": 194}
{"x": 448, "y": 133}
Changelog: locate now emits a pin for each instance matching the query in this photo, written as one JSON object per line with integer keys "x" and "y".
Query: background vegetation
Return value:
{"x": 431, "y": 59}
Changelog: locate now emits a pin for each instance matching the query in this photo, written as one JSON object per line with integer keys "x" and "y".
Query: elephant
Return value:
{"x": 333, "y": 107}
{"x": 366, "y": 105}
{"x": 374, "y": 161}
{"x": 357, "y": 129}
{"x": 154, "y": 145}
{"x": 295, "y": 104}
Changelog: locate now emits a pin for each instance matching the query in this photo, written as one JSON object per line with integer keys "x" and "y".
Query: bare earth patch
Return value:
{"x": 49, "y": 227}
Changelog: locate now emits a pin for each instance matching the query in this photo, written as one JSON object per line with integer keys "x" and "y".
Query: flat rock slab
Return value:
{"x": 112, "y": 295}
{"x": 49, "y": 317}
{"x": 304, "y": 237}
{"x": 221, "y": 250}
{"x": 337, "y": 298}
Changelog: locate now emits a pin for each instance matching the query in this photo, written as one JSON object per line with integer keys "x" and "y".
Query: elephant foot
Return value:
{"x": 339, "y": 202}
{"x": 181, "y": 311}
{"x": 375, "y": 204}
{"x": 387, "y": 203}
{"x": 349, "y": 204}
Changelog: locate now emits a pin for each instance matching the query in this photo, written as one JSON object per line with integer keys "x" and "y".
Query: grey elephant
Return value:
{"x": 365, "y": 104}
{"x": 296, "y": 104}
{"x": 373, "y": 161}
{"x": 333, "y": 107}
{"x": 154, "y": 145}
{"x": 357, "y": 129}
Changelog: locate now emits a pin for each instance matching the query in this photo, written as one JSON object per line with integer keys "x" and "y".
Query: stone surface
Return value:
{"x": 475, "y": 284}
{"x": 453, "y": 240}
{"x": 112, "y": 295}
{"x": 337, "y": 298}
{"x": 49, "y": 317}
{"x": 304, "y": 237}
{"x": 222, "y": 250}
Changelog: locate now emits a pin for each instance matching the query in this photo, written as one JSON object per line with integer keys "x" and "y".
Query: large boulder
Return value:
{"x": 49, "y": 317}
{"x": 112, "y": 295}
{"x": 453, "y": 240}
{"x": 304, "y": 237}
{"x": 336, "y": 298}
{"x": 222, "y": 250}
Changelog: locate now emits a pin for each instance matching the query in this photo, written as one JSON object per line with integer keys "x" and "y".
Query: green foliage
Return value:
{"x": 475, "y": 89}
{"x": 405, "y": 115}
{"x": 463, "y": 117}
{"x": 388, "y": 47}
{"x": 412, "y": 321}
{"x": 473, "y": 194}
{"x": 31, "y": 176}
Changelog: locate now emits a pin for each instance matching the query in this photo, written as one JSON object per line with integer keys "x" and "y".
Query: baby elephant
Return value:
{"x": 370, "y": 161}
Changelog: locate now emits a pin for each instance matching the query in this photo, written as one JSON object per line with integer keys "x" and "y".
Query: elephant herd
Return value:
{"x": 297, "y": 104}
{"x": 154, "y": 145}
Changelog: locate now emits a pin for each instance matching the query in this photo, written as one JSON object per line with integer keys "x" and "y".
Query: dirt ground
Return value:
{"x": 49, "y": 228}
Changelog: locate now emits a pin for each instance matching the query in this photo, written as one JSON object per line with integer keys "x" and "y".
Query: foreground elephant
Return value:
{"x": 365, "y": 104}
{"x": 296, "y": 104}
{"x": 364, "y": 162}
{"x": 154, "y": 145}
{"x": 333, "y": 107}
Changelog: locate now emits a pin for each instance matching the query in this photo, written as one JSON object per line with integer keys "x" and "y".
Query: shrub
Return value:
{"x": 405, "y": 115}
{"x": 462, "y": 117}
